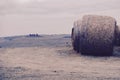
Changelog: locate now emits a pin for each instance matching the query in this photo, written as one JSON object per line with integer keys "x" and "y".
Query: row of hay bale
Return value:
{"x": 95, "y": 35}
{"x": 34, "y": 35}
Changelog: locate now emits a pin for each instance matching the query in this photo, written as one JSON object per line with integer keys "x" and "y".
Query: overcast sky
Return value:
{"x": 19, "y": 17}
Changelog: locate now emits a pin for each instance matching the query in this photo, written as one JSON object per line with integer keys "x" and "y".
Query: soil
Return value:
{"x": 53, "y": 62}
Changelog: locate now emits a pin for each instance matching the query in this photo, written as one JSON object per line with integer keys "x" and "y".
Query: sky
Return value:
{"x": 21, "y": 17}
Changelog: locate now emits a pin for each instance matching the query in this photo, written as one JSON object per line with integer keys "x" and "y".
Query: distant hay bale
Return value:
{"x": 97, "y": 35}
{"x": 34, "y": 35}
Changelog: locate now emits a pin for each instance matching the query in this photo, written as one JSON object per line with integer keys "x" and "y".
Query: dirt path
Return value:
{"x": 60, "y": 63}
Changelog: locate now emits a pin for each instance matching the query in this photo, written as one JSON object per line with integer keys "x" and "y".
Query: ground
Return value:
{"x": 52, "y": 58}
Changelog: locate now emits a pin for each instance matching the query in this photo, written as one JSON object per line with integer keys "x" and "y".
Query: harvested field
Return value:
{"x": 52, "y": 58}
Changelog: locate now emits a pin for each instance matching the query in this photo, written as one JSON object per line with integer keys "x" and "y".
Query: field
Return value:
{"x": 51, "y": 57}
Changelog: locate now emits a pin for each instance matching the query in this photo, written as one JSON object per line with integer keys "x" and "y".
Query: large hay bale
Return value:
{"x": 72, "y": 38}
{"x": 117, "y": 36}
{"x": 97, "y": 35}
{"x": 75, "y": 35}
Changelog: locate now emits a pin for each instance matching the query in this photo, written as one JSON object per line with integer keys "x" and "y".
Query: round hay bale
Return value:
{"x": 97, "y": 35}
{"x": 117, "y": 36}
{"x": 75, "y": 35}
{"x": 73, "y": 38}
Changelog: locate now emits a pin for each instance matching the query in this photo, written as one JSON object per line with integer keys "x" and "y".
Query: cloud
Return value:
{"x": 50, "y": 16}
{"x": 59, "y": 6}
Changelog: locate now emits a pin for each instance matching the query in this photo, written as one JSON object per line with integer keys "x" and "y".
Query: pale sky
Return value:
{"x": 19, "y": 17}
